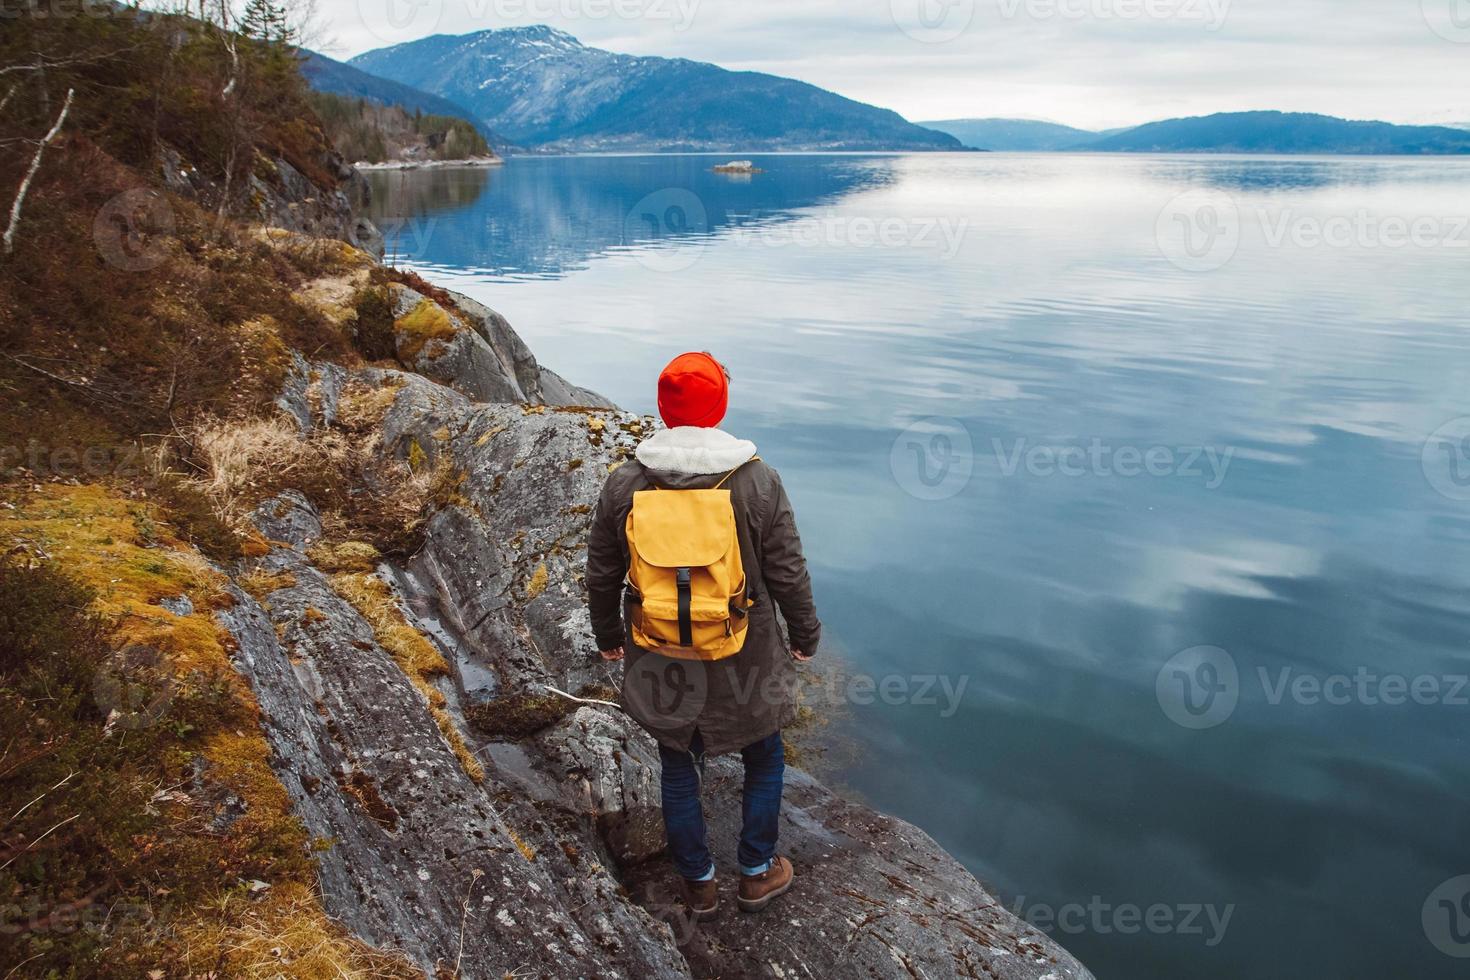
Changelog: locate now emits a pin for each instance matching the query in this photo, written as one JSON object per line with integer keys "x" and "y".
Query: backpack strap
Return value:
{"x": 721, "y": 484}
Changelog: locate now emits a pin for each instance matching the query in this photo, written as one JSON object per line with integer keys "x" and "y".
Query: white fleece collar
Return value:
{"x": 693, "y": 451}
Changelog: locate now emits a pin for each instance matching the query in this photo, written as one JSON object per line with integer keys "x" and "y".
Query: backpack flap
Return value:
{"x": 683, "y": 528}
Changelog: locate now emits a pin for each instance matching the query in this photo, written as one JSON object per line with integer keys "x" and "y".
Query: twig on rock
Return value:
{"x": 573, "y": 697}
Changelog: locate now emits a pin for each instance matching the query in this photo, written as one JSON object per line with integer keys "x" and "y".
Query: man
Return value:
{"x": 694, "y": 707}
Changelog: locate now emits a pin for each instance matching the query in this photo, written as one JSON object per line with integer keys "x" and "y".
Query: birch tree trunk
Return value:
{"x": 25, "y": 184}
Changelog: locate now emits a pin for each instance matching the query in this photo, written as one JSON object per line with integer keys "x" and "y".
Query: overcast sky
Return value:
{"x": 1089, "y": 63}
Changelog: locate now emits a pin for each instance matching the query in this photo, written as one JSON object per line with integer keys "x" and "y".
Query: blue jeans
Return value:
{"x": 683, "y": 778}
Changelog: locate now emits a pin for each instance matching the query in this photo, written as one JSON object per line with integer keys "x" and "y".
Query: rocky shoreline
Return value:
{"x": 469, "y": 162}
{"x": 547, "y": 860}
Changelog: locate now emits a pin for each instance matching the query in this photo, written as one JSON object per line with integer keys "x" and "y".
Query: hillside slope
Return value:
{"x": 368, "y": 132}
{"x": 325, "y": 74}
{"x": 543, "y": 88}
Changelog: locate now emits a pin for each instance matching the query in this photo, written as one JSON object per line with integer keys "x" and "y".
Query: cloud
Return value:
{"x": 1090, "y": 63}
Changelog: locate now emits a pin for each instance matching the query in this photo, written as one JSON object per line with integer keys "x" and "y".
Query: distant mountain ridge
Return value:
{"x": 542, "y": 88}
{"x": 1013, "y": 134}
{"x": 1224, "y": 132}
{"x": 1283, "y": 132}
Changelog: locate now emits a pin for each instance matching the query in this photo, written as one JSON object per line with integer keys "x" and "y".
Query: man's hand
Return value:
{"x": 799, "y": 657}
{"x": 613, "y": 656}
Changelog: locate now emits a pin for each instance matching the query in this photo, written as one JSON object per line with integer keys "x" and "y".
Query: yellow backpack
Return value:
{"x": 684, "y": 566}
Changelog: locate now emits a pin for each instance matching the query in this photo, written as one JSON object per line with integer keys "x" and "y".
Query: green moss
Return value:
{"x": 426, "y": 323}
{"x": 518, "y": 716}
{"x": 374, "y": 328}
{"x": 192, "y": 514}
{"x": 417, "y": 458}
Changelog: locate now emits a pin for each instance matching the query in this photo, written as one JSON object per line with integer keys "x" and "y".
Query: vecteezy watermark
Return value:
{"x": 673, "y": 911}
{"x": 134, "y": 688}
{"x": 1201, "y": 687}
{"x": 662, "y": 225}
{"x": 670, "y": 693}
{"x": 673, "y": 693}
{"x": 35, "y": 917}
{"x": 121, "y": 460}
{"x": 680, "y": 13}
{"x": 933, "y": 21}
{"x": 1446, "y": 459}
{"x": 132, "y": 230}
{"x": 392, "y": 21}
{"x": 941, "y": 234}
{"x": 1199, "y": 231}
{"x": 933, "y": 458}
{"x": 60, "y": 9}
{"x": 1198, "y": 688}
{"x": 1446, "y": 918}
{"x": 1100, "y": 459}
{"x": 1211, "y": 13}
{"x": 1364, "y": 229}
{"x": 1102, "y": 918}
{"x": 1450, "y": 19}
{"x": 407, "y": 239}
{"x": 837, "y": 687}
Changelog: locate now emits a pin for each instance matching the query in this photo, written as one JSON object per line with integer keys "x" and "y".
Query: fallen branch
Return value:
{"x": 25, "y": 185}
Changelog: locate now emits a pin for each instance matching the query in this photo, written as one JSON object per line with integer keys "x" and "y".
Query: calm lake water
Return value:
{"x": 1142, "y": 482}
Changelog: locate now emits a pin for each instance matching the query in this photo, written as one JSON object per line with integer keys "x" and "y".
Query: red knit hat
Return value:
{"x": 693, "y": 390}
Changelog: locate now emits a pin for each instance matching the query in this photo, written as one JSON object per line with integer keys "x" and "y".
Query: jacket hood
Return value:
{"x": 689, "y": 451}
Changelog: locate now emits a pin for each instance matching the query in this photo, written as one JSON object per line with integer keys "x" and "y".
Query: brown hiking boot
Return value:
{"x": 758, "y": 891}
{"x": 703, "y": 899}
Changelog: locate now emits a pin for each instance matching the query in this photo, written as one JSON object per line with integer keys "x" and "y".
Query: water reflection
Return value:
{"x": 546, "y": 217}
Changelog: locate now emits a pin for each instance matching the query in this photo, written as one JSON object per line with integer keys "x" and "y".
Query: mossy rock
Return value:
{"x": 426, "y": 323}
{"x": 518, "y": 716}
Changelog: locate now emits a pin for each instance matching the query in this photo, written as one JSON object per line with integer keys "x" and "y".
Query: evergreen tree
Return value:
{"x": 266, "y": 20}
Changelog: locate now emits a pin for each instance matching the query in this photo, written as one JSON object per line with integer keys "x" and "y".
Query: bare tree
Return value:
{"x": 25, "y": 184}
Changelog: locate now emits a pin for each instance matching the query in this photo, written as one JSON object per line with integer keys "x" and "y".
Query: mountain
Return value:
{"x": 1283, "y": 132}
{"x": 324, "y": 74}
{"x": 543, "y": 88}
{"x": 1013, "y": 134}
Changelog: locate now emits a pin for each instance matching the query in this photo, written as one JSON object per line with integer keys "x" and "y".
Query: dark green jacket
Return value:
{"x": 745, "y": 698}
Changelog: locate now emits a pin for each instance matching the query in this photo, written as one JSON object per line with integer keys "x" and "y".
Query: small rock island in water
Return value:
{"x": 738, "y": 167}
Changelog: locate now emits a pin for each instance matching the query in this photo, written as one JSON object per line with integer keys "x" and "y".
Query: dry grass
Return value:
{"x": 419, "y": 659}
{"x": 348, "y": 556}
{"x": 364, "y": 496}
{"x": 363, "y": 406}
{"x": 259, "y": 583}
{"x": 284, "y": 934}
{"x": 243, "y": 456}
